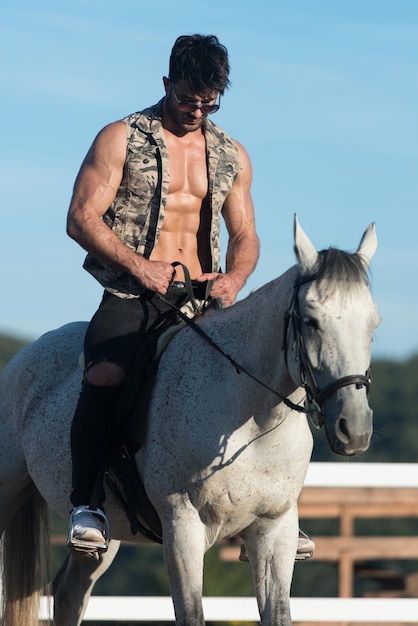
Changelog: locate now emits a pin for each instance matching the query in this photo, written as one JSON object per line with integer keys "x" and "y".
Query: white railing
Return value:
{"x": 323, "y": 610}
{"x": 396, "y": 475}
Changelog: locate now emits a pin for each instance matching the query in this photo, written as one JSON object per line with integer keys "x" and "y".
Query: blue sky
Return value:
{"x": 324, "y": 98}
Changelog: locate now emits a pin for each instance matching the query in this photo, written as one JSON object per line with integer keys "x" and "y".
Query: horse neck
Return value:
{"x": 255, "y": 327}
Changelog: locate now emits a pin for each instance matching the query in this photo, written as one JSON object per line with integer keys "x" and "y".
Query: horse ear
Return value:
{"x": 368, "y": 244}
{"x": 305, "y": 252}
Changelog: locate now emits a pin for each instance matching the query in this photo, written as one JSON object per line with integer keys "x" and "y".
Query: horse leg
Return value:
{"x": 271, "y": 552}
{"x": 184, "y": 550}
{"x": 74, "y": 583}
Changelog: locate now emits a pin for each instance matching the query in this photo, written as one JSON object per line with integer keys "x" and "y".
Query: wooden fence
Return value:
{"x": 349, "y": 491}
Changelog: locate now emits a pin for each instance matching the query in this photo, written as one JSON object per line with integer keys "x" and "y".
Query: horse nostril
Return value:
{"x": 342, "y": 431}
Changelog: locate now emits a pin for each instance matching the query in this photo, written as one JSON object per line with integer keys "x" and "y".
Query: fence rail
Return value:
{"x": 351, "y": 491}
{"x": 388, "y": 475}
{"x": 306, "y": 610}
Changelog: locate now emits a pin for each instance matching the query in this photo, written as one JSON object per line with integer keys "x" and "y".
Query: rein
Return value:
{"x": 197, "y": 329}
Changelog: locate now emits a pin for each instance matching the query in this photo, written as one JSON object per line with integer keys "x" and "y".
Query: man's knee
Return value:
{"x": 105, "y": 374}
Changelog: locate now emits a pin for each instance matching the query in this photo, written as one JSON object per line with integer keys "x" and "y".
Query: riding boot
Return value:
{"x": 91, "y": 432}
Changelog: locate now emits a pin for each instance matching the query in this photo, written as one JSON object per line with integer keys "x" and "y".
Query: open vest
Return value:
{"x": 137, "y": 213}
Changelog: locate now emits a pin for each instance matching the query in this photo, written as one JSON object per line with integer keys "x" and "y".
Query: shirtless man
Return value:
{"x": 150, "y": 192}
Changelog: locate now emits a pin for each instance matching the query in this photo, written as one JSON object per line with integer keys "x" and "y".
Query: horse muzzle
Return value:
{"x": 348, "y": 436}
{"x": 348, "y": 418}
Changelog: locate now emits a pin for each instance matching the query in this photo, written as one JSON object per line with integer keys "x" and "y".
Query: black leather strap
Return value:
{"x": 189, "y": 288}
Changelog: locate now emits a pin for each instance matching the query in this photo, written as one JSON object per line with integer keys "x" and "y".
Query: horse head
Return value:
{"x": 332, "y": 319}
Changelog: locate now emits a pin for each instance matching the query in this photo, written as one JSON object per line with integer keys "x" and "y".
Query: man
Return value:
{"x": 150, "y": 192}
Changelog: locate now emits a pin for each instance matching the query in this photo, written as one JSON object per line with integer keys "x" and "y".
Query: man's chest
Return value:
{"x": 188, "y": 167}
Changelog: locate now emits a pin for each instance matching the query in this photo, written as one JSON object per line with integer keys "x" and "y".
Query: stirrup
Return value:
{"x": 90, "y": 549}
{"x": 301, "y": 555}
{"x": 307, "y": 553}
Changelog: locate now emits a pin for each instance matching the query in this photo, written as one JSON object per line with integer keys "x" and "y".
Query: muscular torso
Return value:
{"x": 185, "y": 233}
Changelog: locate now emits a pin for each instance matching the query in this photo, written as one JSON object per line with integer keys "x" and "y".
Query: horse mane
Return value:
{"x": 341, "y": 269}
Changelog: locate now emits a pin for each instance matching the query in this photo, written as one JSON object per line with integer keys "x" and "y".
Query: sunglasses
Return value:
{"x": 189, "y": 107}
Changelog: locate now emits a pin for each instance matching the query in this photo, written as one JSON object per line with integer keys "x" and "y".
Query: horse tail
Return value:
{"x": 25, "y": 563}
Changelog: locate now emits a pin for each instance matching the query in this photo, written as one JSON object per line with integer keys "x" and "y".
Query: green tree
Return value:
{"x": 9, "y": 346}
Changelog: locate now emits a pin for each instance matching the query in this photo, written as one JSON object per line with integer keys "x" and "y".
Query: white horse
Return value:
{"x": 228, "y": 443}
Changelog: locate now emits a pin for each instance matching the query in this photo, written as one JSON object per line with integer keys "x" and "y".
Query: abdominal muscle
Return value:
{"x": 184, "y": 234}
{"x": 183, "y": 227}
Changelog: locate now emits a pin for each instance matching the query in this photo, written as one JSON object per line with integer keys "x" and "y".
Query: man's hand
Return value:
{"x": 156, "y": 276}
{"x": 225, "y": 287}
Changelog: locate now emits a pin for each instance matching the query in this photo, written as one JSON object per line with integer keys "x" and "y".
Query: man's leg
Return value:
{"x": 90, "y": 438}
{"x": 90, "y": 435}
{"x": 112, "y": 338}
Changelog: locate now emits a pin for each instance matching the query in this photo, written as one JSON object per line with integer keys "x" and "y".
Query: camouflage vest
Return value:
{"x": 137, "y": 213}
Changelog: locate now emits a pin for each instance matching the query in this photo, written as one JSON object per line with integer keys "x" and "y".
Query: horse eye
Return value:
{"x": 311, "y": 323}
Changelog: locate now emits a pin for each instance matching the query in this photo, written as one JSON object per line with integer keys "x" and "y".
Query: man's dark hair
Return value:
{"x": 201, "y": 61}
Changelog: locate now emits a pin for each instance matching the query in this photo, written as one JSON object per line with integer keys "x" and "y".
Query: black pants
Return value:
{"x": 115, "y": 334}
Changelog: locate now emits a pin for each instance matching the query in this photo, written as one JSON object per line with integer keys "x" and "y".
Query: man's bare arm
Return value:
{"x": 243, "y": 243}
{"x": 94, "y": 191}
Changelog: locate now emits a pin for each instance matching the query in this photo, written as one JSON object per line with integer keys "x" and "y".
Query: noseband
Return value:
{"x": 314, "y": 394}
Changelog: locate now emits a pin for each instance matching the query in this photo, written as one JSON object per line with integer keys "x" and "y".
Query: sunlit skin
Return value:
{"x": 186, "y": 223}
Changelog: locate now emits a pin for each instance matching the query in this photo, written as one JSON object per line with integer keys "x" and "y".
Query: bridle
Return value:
{"x": 315, "y": 395}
